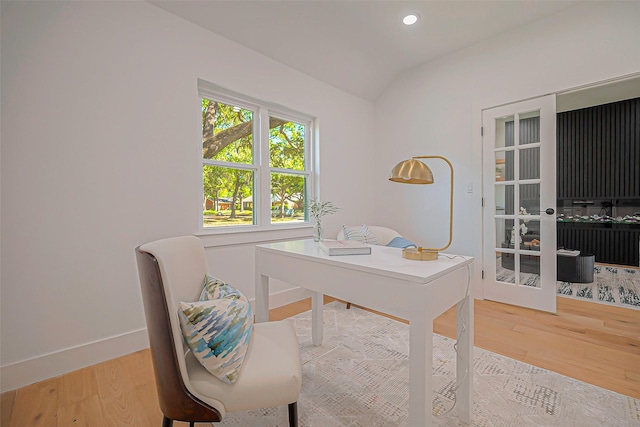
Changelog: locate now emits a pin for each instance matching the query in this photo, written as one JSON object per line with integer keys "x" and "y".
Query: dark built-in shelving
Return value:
{"x": 598, "y": 158}
{"x": 610, "y": 243}
{"x": 598, "y": 152}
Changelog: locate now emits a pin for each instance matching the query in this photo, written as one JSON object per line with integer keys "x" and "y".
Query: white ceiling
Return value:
{"x": 358, "y": 46}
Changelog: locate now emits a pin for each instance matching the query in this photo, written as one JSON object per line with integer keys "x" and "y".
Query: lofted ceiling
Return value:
{"x": 358, "y": 46}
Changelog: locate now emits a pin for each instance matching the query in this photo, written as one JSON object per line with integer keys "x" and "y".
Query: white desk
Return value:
{"x": 418, "y": 291}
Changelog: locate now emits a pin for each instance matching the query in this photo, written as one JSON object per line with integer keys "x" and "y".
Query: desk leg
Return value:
{"x": 262, "y": 298}
{"x": 464, "y": 363}
{"x": 317, "y": 305}
{"x": 420, "y": 370}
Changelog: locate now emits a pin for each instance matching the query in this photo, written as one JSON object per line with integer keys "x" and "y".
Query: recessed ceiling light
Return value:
{"x": 410, "y": 19}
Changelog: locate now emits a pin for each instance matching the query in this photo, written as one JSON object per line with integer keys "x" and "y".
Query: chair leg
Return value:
{"x": 348, "y": 305}
{"x": 293, "y": 414}
{"x": 166, "y": 422}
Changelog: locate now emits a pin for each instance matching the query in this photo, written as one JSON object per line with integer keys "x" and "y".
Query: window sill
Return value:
{"x": 238, "y": 236}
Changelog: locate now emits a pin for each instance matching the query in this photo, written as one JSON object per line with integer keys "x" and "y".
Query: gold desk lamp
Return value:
{"x": 413, "y": 171}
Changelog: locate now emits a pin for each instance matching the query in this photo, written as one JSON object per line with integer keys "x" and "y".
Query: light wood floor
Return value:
{"x": 595, "y": 343}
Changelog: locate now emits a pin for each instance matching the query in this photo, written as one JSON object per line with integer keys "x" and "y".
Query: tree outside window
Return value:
{"x": 235, "y": 182}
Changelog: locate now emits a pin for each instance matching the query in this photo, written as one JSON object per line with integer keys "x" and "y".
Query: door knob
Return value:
{"x": 550, "y": 211}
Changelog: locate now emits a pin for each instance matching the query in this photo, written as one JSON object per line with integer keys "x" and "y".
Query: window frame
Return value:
{"x": 262, "y": 110}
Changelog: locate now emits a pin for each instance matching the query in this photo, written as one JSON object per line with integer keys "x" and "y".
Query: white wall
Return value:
{"x": 438, "y": 107}
{"x": 100, "y": 148}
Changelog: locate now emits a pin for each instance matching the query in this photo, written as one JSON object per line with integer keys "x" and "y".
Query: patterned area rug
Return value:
{"x": 527, "y": 279}
{"x": 359, "y": 377}
{"x": 612, "y": 285}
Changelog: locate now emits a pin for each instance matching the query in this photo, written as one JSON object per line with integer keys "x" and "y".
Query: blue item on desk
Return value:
{"x": 401, "y": 242}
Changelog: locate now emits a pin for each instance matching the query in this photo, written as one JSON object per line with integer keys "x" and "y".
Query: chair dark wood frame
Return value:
{"x": 176, "y": 402}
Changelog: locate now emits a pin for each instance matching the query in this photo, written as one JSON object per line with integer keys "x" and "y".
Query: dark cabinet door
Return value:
{"x": 610, "y": 243}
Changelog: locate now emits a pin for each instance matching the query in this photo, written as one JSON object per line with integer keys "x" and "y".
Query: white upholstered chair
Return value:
{"x": 173, "y": 270}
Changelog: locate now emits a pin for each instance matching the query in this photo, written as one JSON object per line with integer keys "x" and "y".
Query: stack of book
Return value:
{"x": 344, "y": 247}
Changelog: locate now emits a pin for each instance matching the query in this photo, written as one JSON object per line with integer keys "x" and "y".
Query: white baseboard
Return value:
{"x": 20, "y": 374}
{"x": 288, "y": 296}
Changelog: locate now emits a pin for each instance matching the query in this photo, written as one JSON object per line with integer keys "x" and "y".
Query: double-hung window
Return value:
{"x": 257, "y": 162}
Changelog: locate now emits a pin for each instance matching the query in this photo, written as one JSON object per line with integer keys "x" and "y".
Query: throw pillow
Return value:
{"x": 361, "y": 234}
{"x": 215, "y": 288}
{"x": 401, "y": 242}
{"x": 218, "y": 329}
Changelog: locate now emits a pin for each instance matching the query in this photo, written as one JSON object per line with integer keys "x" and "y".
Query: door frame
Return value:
{"x": 475, "y": 188}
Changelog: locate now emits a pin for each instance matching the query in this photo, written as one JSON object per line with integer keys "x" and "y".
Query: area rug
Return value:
{"x": 612, "y": 285}
{"x": 359, "y": 377}
{"x": 527, "y": 279}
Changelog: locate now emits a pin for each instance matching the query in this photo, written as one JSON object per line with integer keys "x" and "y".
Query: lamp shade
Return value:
{"x": 411, "y": 171}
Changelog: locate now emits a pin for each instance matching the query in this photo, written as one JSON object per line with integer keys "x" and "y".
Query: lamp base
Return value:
{"x": 420, "y": 254}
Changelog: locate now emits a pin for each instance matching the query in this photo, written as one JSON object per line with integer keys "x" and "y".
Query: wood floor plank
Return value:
{"x": 538, "y": 340}
{"x": 82, "y": 413}
{"x": 6, "y": 407}
{"x": 138, "y": 366}
{"x": 146, "y": 393}
{"x": 36, "y": 405}
{"x": 118, "y": 401}
{"x": 613, "y": 357}
{"x": 77, "y": 386}
{"x": 598, "y": 311}
{"x": 633, "y": 376}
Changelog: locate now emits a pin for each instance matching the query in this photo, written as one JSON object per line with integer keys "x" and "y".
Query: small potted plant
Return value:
{"x": 523, "y": 227}
{"x": 318, "y": 209}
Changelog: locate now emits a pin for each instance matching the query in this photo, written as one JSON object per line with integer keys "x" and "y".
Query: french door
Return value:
{"x": 519, "y": 188}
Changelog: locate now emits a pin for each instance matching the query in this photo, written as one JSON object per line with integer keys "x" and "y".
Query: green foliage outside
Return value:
{"x": 214, "y": 218}
{"x": 227, "y": 135}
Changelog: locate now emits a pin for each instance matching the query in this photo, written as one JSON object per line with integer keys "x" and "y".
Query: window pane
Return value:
{"x": 228, "y": 196}
{"x": 286, "y": 144}
{"x": 530, "y": 128}
{"x": 503, "y": 232}
{"x": 505, "y": 268}
{"x": 500, "y": 200}
{"x": 530, "y": 199}
{"x": 255, "y": 169}
{"x": 227, "y": 132}
{"x": 505, "y": 200}
{"x": 499, "y": 166}
{"x": 509, "y": 166}
{"x": 504, "y": 132}
{"x": 287, "y": 198}
{"x": 530, "y": 270}
{"x": 530, "y": 163}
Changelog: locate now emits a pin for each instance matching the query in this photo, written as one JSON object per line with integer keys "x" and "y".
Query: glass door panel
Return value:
{"x": 515, "y": 144}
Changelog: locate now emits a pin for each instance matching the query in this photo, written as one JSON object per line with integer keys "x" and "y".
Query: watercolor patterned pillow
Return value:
{"x": 215, "y": 288}
{"x": 218, "y": 329}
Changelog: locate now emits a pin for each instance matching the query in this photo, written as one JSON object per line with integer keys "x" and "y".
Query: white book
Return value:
{"x": 568, "y": 252}
{"x": 345, "y": 247}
